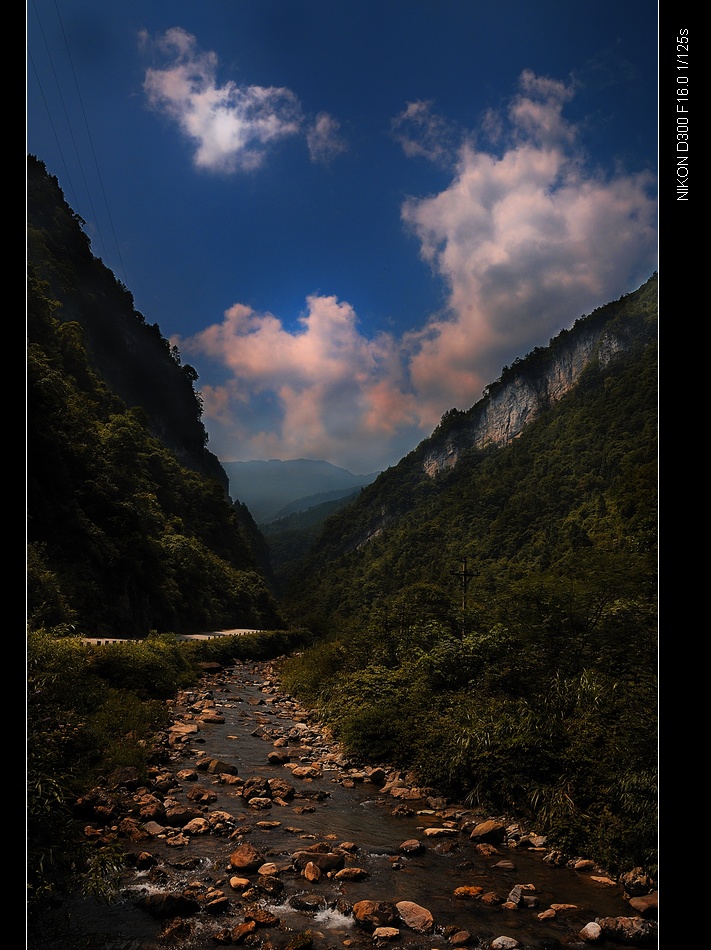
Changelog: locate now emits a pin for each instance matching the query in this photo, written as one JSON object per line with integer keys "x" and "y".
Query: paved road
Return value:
{"x": 236, "y": 632}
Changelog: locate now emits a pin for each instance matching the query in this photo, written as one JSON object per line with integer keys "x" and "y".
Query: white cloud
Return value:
{"x": 231, "y": 127}
{"x": 527, "y": 239}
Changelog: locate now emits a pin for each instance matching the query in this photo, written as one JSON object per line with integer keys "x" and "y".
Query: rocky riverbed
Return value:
{"x": 255, "y": 829}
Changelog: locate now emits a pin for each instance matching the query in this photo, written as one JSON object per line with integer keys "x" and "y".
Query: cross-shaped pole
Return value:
{"x": 465, "y": 576}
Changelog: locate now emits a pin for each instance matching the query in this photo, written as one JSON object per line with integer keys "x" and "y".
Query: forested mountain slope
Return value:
{"x": 578, "y": 479}
{"x": 488, "y": 606}
{"x": 132, "y": 356}
{"x": 130, "y": 527}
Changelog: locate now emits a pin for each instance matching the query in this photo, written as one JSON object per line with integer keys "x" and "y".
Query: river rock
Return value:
{"x": 372, "y": 914}
{"x": 411, "y": 846}
{"x": 151, "y": 809}
{"x": 468, "y": 890}
{"x": 220, "y": 820}
{"x": 202, "y": 795}
{"x": 187, "y": 775}
{"x": 260, "y": 803}
{"x": 591, "y": 933}
{"x": 312, "y": 903}
{"x": 261, "y": 916}
{"x": 489, "y": 831}
{"x": 376, "y": 775}
{"x": 386, "y": 933}
{"x": 178, "y": 815}
{"x": 246, "y": 858}
{"x": 325, "y": 862}
{"x": 461, "y": 938}
{"x": 646, "y": 906}
{"x": 281, "y": 789}
{"x": 633, "y": 931}
{"x": 351, "y": 874}
{"x": 278, "y": 758}
{"x": 311, "y": 872}
{"x": 416, "y": 917}
{"x": 240, "y": 883}
{"x": 220, "y": 767}
{"x": 636, "y": 883}
{"x": 256, "y": 787}
{"x": 240, "y": 933}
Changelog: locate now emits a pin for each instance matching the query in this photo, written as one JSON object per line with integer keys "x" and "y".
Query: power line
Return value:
{"x": 75, "y": 203}
{"x": 71, "y": 133}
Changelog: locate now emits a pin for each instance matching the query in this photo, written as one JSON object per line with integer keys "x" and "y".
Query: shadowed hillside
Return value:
{"x": 130, "y": 527}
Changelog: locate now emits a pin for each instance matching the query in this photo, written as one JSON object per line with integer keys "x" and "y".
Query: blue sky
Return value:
{"x": 349, "y": 215}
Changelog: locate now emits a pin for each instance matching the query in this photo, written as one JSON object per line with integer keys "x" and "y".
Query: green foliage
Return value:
{"x": 151, "y": 669}
{"x": 122, "y": 538}
{"x": 260, "y": 645}
{"x": 78, "y": 724}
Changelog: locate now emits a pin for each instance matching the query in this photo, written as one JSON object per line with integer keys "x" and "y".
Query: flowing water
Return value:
{"x": 338, "y": 806}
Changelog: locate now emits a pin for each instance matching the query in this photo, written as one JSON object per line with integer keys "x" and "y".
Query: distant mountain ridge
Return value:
{"x": 273, "y": 488}
{"x": 319, "y": 500}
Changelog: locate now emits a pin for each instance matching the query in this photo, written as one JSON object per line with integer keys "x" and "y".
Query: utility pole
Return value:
{"x": 465, "y": 576}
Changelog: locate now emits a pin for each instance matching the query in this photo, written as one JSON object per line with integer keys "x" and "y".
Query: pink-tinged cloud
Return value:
{"x": 324, "y": 391}
{"x": 526, "y": 237}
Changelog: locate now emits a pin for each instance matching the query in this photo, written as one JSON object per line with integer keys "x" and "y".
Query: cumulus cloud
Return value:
{"x": 527, "y": 238}
{"x": 231, "y": 127}
{"x": 299, "y": 394}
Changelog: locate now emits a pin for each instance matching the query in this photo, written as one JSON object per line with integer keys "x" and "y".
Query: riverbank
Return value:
{"x": 256, "y": 829}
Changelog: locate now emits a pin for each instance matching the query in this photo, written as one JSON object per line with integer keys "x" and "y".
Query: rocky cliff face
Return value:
{"x": 518, "y": 398}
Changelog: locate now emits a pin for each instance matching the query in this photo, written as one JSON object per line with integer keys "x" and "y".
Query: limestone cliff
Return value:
{"x": 537, "y": 382}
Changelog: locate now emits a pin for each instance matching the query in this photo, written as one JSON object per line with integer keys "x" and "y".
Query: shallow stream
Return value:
{"x": 336, "y": 807}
